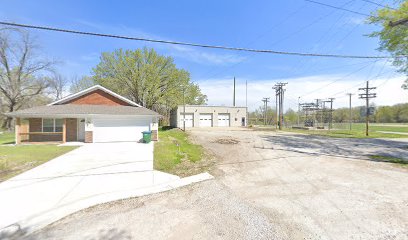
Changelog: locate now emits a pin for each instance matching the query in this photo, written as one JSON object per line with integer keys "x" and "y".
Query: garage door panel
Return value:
{"x": 189, "y": 120}
{"x": 119, "y": 130}
{"x": 223, "y": 119}
{"x": 205, "y": 120}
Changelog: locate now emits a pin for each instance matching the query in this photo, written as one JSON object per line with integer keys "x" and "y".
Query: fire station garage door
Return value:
{"x": 223, "y": 120}
{"x": 119, "y": 130}
{"x": 189, "y": 120}
{"x": 206, "y": 120}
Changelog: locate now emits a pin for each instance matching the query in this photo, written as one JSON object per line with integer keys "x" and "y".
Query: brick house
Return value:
{"x": 95, "y": 114}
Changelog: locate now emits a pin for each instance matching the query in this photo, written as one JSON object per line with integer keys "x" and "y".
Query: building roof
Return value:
{"x": 73, "y": 110}
{"x": 91, "y": 89}
{"x": 210, "y": 106}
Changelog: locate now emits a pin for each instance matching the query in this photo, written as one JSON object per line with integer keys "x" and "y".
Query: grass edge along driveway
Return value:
{"x": 176, "y": 154}
{"x": 17, "y": 159}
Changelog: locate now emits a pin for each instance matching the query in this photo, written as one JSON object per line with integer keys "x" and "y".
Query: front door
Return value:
{"x": 81, "y": 129}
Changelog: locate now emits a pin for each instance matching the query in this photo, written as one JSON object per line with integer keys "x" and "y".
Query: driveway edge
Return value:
{"x": 31, "y": 225}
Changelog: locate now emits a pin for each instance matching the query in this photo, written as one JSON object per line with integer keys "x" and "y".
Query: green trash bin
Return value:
{"x": 147, "y": 136}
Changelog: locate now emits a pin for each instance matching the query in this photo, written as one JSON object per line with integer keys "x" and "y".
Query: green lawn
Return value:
{"x": 175, "y": 153}
{"x": 347, "y": 133}
{"x": 358, "y": 131}
{"x": 17, "y": 159}
{"x": 7, "y": 138}
{"x": 388, "y": 127}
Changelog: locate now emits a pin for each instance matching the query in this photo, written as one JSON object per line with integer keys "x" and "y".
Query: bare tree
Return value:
{"x": 20, "y": 70}
{"x": 58, "y": 86}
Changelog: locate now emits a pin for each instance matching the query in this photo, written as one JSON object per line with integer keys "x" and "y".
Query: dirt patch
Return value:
{"x": 227, "y": 141}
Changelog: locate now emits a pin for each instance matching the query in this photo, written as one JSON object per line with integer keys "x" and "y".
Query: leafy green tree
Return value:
{"x": 148, "y": 78}
{"x": 385, "y": 114}
{"x": 290, "y": 117}
{"x": 393, "y": 38}
{"x": 79, "y": 84}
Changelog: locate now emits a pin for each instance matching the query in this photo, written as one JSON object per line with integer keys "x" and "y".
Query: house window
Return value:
{"x": 58, "y": 125}
{"x": 52, "y": 125}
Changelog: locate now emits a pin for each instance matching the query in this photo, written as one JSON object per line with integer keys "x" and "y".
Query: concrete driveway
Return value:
{"x": 94, "y": 173}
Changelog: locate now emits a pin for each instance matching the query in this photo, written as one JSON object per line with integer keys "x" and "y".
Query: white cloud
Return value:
{"x": 352, "y": 20}
{"x": 220, "y": 91}
{"x": 192, "y": 54}
{"x": 202, "y": 57}
{"x": 91, "y": 57}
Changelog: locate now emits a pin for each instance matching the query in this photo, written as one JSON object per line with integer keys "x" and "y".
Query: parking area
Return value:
{"x": 92, "y": 174}
{"x": 315, "y": 187}
{"x": 268, "y": 186}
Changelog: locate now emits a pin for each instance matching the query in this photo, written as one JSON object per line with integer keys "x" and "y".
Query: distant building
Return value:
{"x": 208, "y": 116}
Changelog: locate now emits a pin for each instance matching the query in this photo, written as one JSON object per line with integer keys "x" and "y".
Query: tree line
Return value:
{"x": 397, "y": 113}
{"x": 28, "y": 79}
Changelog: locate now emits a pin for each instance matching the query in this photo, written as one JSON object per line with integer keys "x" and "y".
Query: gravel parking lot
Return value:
{"x": 268, "y": 186}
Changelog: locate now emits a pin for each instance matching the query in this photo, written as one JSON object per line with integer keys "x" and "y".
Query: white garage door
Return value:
{"x": 206, "y": 120}
{"x": 119, "y": 130}
{"x": 223, "y": 120}
{"x": 189, "y": 120}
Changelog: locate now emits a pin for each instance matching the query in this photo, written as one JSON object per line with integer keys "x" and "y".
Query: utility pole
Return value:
{"x": 331, "y": 113}
{"x": 367, "y": 95}
{"x": 276, "y": 110}
{"x": 279, "y": 91}
{"x": 246, "y": 102}
{"x": 233, "y": 102}
{"x": 184, "y": 109}
{"x": 318, "y": 109}
{"x": 350, "y": 112}
{"x": 298, "y": 117}
{"x": 265, "y": 101}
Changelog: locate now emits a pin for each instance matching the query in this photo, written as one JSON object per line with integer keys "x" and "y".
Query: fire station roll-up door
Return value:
{"x": 189, "y": 120}
{"x": 206, "y": 120}
{"x": 223, "y": 120}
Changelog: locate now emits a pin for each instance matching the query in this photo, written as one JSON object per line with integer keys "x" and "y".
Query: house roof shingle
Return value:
{"x": 73, "y": 109}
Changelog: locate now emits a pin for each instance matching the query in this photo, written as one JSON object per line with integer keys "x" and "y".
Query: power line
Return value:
{"x": 338, "y": 79}
{"x": 378, "y": 4}
{"x": 254, "y": 40}
{"x": 339, "y": 8}
{"x": 302, "y": 63}
{"x": 285, "y": 37}
{"x": 303, "y": 54}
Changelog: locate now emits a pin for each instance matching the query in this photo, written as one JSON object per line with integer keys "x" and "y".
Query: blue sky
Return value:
{"x": 293, "y": 25}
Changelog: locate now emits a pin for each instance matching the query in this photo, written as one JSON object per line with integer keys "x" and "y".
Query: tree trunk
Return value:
{"x": 7, "y": 121}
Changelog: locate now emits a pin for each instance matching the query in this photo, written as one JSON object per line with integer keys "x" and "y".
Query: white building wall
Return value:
{"x": 236, "y": 114}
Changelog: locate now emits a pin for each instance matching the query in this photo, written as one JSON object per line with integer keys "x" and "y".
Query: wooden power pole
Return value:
{"x": 350, "y": 111}
{"x": 367, "y": 95}
{"x": 265, "y": 101}
{"x": 279, "y": 91}
{"x": 233, "y": 101}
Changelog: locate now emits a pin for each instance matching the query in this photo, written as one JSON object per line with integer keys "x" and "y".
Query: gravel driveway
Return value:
{"x": 268, "y": 186}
